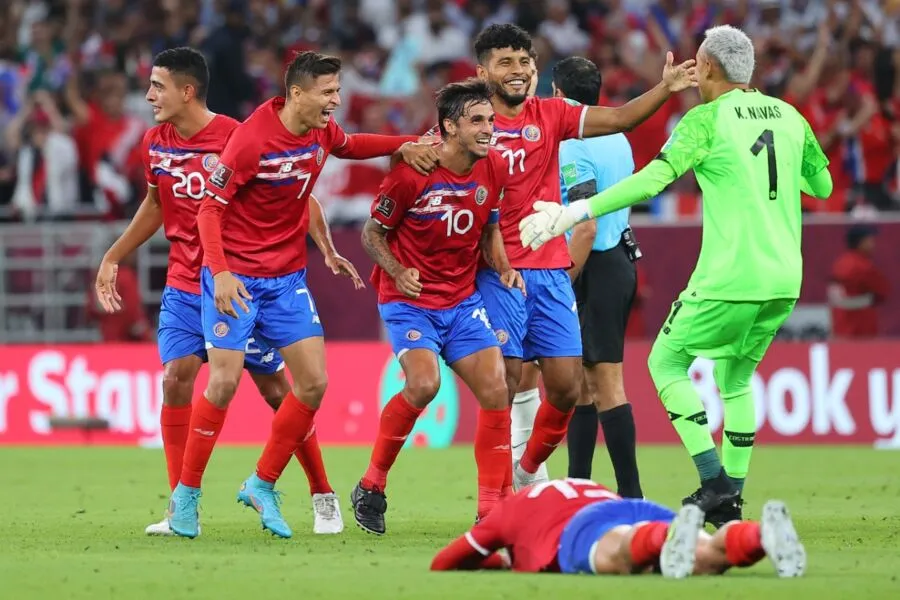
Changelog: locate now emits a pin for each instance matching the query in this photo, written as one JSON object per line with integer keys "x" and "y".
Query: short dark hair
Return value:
{"x": 188, "y": 63}
{"x": 578, "y": 78}
{"x": 309, "y": 64}
{"x": 454, "y": 98}
{"x": 500, "y": 36}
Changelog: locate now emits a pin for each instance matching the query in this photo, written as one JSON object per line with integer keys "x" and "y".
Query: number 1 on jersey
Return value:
{"x": 767, "y": 140}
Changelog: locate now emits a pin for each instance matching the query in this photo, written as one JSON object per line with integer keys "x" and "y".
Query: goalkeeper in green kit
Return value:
{"x": 752, "y": 155}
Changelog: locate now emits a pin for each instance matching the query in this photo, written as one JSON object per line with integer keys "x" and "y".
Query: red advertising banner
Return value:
{"x": 805, "y": 393}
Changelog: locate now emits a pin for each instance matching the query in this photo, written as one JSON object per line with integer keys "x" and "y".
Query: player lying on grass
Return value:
{"x": 178, "y": 155}
{"x": 752, "y": 155}
{"x": 426, "y": 235}
{"x": 578, "y": 526}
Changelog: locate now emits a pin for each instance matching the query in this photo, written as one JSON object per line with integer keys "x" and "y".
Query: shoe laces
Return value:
{"x": 325, "y": 506}
{"x": 190, "y": 502}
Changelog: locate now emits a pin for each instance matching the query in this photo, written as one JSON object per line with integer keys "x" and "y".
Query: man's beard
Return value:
{"x": 509, "y": 99}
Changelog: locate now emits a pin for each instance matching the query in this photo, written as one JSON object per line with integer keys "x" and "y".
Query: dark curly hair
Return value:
{"x": 500, "y": 36}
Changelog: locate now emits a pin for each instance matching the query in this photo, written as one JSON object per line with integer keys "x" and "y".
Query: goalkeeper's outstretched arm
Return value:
{"x": 819, "y": 185}
{"x": 643, "y": 185}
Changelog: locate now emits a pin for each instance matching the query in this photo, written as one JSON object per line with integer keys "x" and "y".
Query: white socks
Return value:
{"x": 524, "y": 409}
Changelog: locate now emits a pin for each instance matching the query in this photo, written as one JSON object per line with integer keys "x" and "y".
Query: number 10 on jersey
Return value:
{"x": 459, "y": 221}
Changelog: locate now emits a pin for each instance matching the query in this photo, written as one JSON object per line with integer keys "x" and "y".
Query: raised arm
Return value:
{"x": 687, "y": 147}
{"x": 603, "y": 120}
{"x": 361, "y": 146}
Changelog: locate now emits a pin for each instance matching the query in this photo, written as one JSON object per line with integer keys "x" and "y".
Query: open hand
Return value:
{"x": 679, "y": 77}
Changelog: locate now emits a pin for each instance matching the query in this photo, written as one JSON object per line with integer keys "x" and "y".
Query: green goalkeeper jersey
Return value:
{"x": 749, "y": 152}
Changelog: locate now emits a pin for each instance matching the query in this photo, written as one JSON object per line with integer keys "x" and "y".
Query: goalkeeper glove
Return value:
{"x": 551, "y": 220}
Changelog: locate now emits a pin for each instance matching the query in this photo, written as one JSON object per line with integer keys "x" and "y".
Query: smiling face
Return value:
{"x": 509, "y": 73}
{"x": 473, "y": 129}
{"x": 316, "y": 100}
{"x": 165, "y": 95}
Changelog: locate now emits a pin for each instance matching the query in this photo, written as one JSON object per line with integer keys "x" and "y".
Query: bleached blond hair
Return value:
{"x": 732, "y": 49}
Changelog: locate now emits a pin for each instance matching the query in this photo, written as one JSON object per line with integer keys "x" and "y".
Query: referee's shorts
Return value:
{"x": 604, "y": 291}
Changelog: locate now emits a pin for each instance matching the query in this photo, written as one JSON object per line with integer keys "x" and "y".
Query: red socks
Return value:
{"x": 397, "y": 419}
{"x": 743, "y": 544}
{"x": 647, "y": 543}
{"x": 174, "y": 422}
{"x": 205, "y": 425}
{"x": 492, "y": 456}
{"x": 310, "y": 456}
{"x": 550, "y": 425}
{"x": 290, "y": 426}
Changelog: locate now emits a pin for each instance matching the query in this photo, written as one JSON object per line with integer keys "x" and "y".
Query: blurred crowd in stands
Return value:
{"x": 73, "y": 74}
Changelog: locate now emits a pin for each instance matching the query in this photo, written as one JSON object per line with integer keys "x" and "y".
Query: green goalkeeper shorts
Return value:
{"x": 723, "y": 329}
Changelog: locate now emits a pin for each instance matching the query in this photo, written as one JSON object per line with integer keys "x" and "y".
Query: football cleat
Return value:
{"x": 369, "y": 507}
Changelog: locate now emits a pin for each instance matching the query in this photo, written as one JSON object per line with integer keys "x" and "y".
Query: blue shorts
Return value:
{"x": 282, "y": 312}
{"x": 584, "y": 530}
{"x": 180, "y": 334}
{"x": 541, "y": 324}
{"x": 453, "y": 333}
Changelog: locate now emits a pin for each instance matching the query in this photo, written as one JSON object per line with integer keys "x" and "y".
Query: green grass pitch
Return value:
{"x": 75, "y": 519}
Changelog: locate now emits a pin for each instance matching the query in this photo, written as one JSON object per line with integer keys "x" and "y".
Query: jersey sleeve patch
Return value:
{"x": 221, "y": 176}
{"x": 386, "y": 206}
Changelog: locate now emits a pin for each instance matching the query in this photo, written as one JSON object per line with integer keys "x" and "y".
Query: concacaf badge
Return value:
{"x": 531, "y": 133}
{"x": 480, "y": 195}
{"x": 210, "y": 161}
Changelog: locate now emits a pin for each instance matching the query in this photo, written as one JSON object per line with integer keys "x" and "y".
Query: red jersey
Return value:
{"x": 178, "y": 168}
{"x": 437, "y": 222}
{"x": 529, "y": 146}
{"x": 860, "y": 287}
{"x": 530, "y": 523}
{"x": 265, "y": 176}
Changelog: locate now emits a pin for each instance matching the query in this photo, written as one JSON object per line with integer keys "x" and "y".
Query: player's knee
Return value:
{"x": 564, "y": 392}
{"x": 222, "y": 387}
{"x": 311, "y": 389}
{"x": 177, "y": 388}
{"x": 663, "y": 367}
{"x": 421, "y": 390}
{"x": 495, "y": 394}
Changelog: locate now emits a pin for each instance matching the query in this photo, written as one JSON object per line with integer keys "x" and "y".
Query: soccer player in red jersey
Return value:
{"x": 178, "y": 155}
{"x": 527, "y": 132}
{"x": 578, "y": 526}
{"x": 252, "y": 224}
{"x": 426, "y": 234}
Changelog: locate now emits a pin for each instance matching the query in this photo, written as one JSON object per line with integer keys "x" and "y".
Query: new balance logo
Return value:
{"x": 205, "y": 432}
{"x": 501, "y": 447}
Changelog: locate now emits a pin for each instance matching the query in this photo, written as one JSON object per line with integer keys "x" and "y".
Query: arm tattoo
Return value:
{"x": 492, "y": 248}
{"x": 375, "y": 244}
